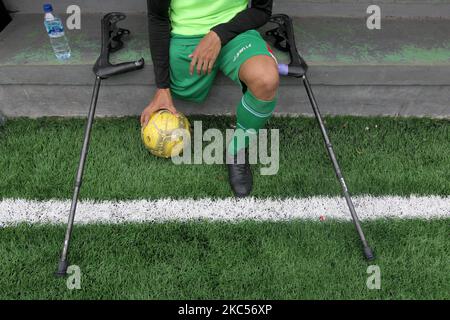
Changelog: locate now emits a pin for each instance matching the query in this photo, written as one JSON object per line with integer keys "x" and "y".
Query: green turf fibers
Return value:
{"x": 246, "y": 260}
{"x": 379, "y": 156}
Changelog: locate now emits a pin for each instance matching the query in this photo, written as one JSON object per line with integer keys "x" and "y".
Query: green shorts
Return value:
{"x": 231, "y": 57}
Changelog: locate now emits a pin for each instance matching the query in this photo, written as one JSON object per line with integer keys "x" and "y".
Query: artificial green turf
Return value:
{"x": 248, "y": 260}
{"x": 283, "y": 260}
{"x": 379, "y": 156}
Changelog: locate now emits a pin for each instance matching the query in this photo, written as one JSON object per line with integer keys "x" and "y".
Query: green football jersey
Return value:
{"x": 197, "y": 17}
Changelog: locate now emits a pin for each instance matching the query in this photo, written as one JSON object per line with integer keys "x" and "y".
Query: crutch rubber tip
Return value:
{"x": 62, "y": 269}
{"x": 369, "y": 254}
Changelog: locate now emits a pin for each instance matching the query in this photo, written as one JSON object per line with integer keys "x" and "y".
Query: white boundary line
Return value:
{"x": 15, "y": 211}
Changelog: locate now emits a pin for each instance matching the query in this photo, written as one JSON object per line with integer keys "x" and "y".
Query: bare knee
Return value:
{"x": 261, "y": 77}
{"x": 265, "y": 86}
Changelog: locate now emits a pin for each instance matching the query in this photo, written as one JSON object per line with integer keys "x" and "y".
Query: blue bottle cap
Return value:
{"x": 48, "y": 8}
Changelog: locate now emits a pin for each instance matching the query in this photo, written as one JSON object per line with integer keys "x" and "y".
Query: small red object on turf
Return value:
{"x": 322, "y": 218}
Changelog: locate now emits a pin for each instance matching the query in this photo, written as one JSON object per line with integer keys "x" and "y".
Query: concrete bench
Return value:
{"x": 402, "y": 69}
{"x": 303, "y": 8}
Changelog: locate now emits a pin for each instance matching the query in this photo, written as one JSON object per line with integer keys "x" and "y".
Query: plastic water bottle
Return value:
{"x": 55, "y": 30}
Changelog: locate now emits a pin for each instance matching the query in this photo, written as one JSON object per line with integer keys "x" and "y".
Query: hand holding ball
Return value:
{"x": 164, "y": 135}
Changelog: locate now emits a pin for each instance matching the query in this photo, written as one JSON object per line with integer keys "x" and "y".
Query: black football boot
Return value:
{"x": 239, "y": 173}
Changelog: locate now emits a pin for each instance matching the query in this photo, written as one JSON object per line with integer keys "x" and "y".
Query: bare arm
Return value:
{"x": 159, "y": 38}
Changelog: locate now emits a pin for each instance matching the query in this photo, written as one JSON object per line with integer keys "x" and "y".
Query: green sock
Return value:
{"x": 252, "y": 115}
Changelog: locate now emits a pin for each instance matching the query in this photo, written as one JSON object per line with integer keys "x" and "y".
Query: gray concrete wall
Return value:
{"x": 415, "y": 80}
{"x": 339, "y": 8}
{"x": 394, "y": 75}
{"x": 38, "y": 100}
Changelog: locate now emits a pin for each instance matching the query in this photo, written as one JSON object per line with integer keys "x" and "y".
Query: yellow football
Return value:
{"x": 162, "y": 135}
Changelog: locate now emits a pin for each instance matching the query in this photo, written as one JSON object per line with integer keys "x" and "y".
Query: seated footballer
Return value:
{"x": 190, "y": 41}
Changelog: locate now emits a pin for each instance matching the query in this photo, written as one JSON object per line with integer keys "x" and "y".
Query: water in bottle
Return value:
{"x": 55, "y": 30}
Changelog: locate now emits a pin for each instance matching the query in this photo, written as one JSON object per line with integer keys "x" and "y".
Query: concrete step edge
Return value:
{"x": 394, "y": 75}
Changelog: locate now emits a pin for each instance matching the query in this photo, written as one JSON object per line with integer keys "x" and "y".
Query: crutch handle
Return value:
{"x": 112, "y": 70}
{"x": 112, "y": 42}
{"x": 291, "y": 70}
{"x": 283, "y": 69}
{"x": 282, "y": 38}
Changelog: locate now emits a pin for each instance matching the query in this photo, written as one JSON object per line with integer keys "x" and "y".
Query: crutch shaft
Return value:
{"x": 62, "y": 267}
{"x": 367, "y": 250}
